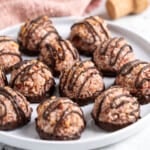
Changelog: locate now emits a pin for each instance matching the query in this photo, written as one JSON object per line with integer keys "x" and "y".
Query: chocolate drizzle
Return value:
{"x": 139, "y": 83}
{"x": 55, "y": 105}
{"x": 3, "y": 114}
{"x": 25, "y": 71}
{"x": 64, "y": 116}
{"x": 54, "y": 54}
{"x": 70, "y": 78}
{"x": 104, "y": 49}
{"x": 75, "y": 77}
{"x": 91, "y": 29}
{"x": 97, "y": 33}
{"x": 19, "y": 112}
{"x": 7, "y": 49}
{"x": 45, "y": 36}
{"x": 21, "y": 70}
{"x": 102, "y": 101}
{"x": 10, "y": 53}
{"x": 85, "y": 80}
{"x": 72, "y": 50}
{"x": 65, "y": 74}
{"x": 101, "y": 25}
{"x": 138, "y": 70}
{"x": 119, "y": 111}
{"x": 32, "y": 30}
{"x": 59, "y": 54}
{"x": 128, "y": 67}
{"x": 72, "y": 72}
{"x": 113, "y": 105}
{"x": 114, "y": 60}
{"x": 58, "y": 104}
{"x": 3, "y": 77}
{"x": 50, "y": 49}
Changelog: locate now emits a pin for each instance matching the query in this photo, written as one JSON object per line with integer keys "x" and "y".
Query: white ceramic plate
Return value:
{"x": 93, "y": 137}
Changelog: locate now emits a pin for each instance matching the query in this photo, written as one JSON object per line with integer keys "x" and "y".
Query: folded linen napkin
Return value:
{"x": 15, "y": 11}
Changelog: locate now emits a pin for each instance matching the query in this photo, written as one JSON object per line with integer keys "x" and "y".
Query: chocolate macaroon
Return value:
{"x": 81, "y": 83}
{"x": 33, "y": 79}
{"x": 3, "y": 79}
{"x": 115, "y": 108}
{"x": 135, "y": 76}
{"x": 9, "y": 53}
{"x": 15, "y": 110}
{"x": 89, "y": 33}
{"x": 59, "y": 55}
{"x": 111, "y": 55}
{"x": 35, "y": 33}
{"x": 59, "y": 119}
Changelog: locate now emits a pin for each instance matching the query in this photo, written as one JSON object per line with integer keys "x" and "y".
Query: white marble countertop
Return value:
{"x": 140, "y": 24}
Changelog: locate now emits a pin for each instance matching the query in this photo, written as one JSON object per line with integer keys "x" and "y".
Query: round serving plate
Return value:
{"x": 93, "y": 137}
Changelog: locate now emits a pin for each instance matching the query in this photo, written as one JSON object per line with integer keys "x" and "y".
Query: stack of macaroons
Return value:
{"x": 80, "y": 82}
{"x": 32, "y": 80}
{"x": 112, "y": 56}
{"x": 40, "y": 36}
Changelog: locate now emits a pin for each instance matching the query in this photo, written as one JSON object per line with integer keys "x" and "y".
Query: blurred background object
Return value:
{"x": 119, "y": 8}
{"x": 15, "y": 11}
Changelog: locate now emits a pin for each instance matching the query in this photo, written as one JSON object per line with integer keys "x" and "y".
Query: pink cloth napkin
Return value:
{"x": 16, "y": 11}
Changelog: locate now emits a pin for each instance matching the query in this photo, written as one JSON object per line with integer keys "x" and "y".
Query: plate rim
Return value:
{"x": 4, "y": 136}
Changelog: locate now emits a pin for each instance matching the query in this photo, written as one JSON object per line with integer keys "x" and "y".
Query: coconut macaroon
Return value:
{"x": 81, "y": 83}
{"x": 15, "y": 110}
{"x": 111, "y": 55}
{"x": 135, "y": 76}
{"x": 115, "y": 108}
{"x": 35, "y": 33}
{"x": 33, "y": 79}
{"x": 59, "y": 119}
{"x": 89, "y": 33}
{"x": 9, "y": 53}
{"x": 58, "y": 55}
{"x": 3, "y": 79}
